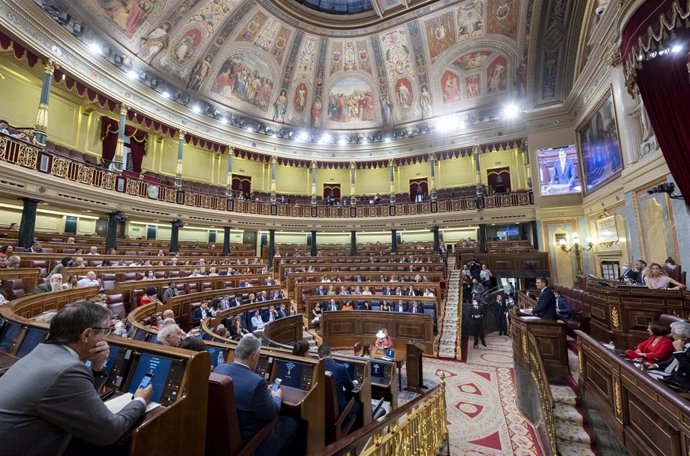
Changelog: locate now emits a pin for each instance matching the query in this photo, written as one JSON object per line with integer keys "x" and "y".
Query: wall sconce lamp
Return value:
{"x": 576, "y": 249}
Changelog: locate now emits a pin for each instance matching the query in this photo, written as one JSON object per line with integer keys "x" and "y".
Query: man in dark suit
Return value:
{"x": 676, "y": 369}
{"x": 477, "y": 319}
{"x": 236, "y": 301}
{"x": 546, "y": 306}
{"x": 332, "y": 306}
{"x": 341, "y": 377}
{"x": 200, "y": 313}
{"x": 49, "y": 395}
{"x": 256, "y": 402}
{"x": 401, "y": 307}
{"x": 629, "y": 274}
{"x": 563, "y": 171}
{"x": 500, "y": 310}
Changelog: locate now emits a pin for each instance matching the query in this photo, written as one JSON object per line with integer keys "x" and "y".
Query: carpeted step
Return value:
{"x": 563, "y": 394}
{"x": 566, "y": 413}
{"x": 574, "y": 449}
{"x": 568, "y": 432}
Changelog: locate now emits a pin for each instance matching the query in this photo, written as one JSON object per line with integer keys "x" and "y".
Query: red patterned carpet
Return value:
{"x": 480, "y": 396}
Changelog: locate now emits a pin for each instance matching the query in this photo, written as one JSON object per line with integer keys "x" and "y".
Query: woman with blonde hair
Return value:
{"x": 657, "y": 279}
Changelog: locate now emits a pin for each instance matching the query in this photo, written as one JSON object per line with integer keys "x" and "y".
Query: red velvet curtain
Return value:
{"x": 109, "y": 129}
{"x": 665, "y": 90}
{"x": 137, "y": 142}
{"x": 662, "y": 78}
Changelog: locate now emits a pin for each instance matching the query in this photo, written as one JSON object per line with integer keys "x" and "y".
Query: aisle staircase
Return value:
{"x": 572, "y": 438}
{"x": 449, "y": 341}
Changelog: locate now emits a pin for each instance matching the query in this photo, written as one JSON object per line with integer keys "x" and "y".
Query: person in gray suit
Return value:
{"x": 48, "y": 396}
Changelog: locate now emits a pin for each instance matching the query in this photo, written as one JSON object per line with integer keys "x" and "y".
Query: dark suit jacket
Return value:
{"x": 342, "y": 381}
{"x": 255, "y": 406}
{"x": 546, "y": 307}
{"x": 563, "y": 176}
{"x": 43, "y": 288}
{"x": 49, "y": 396}
{"x": 632, "y": 275}
{"x": 681, "y": 375}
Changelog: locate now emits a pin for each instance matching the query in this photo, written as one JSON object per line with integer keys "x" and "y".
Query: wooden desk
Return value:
{"x": 646, "y": 416}
{"x": 345, "y": 328}
{"x": 550, "y": 336}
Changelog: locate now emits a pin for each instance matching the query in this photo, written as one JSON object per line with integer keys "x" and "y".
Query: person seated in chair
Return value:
{"x": 341, "y": 377}
{"x": 676, "y": 369}
{"x": 256, "y": 402}
{"x": 658, "y": 279}
{"x": 257, "y": 322}
{"x": 563, "y": 308}
{"x": 657, "y": 347}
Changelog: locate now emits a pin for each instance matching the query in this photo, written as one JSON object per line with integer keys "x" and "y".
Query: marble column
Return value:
{"x": 180, "y": 153}
{"x": 353, "y": 243}
{"x": 41, "y": 127}
{"x": 228, "y": 181}
{"x": 226, "y": 241}
{"x": 114, "y": 219}
{"x": 118, "y": 164}
{"x": 28, "y": 222}
{"x": 313, "y": 243}
{"x": 394, "y": 241}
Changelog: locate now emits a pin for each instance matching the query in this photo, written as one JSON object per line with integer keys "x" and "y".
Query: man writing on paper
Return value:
{"x": 48, "y": 396}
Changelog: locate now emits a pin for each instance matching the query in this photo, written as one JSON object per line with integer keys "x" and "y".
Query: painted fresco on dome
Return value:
{"x": 299, "y": 101}
{"x": 396, "y": 51}
{"x": 155, "y": 42}
{"x": 440, "y": 34}
{"x": 307, "y": 58}
{"x": 280, "y": 43}
{"x": 503, "y": 17}
{"x": 247, "y": 78}
{"x": 470, "y": 19}
{"x": 351, "y": 100}
{"x": 212, "y": 14}
{"x": 472, "y": 86}
{"x": 129, "y": 15}
{"x": 472, "y": 60}
{"x": 349, "y": 56}
{"x": 251, "y": 30}
{"x": 403, "y": 93}
{"x": 186, "y": 46}
{"x": 425, "y": 102}
{"x": 496, "y": 75}
{"x": 450, "y": 87}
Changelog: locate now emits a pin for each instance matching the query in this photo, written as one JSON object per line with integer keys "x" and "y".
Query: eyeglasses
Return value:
{"x": 107, "y": 330}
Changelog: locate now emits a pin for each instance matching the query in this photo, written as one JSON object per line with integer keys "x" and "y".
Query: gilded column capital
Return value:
{"x": 123, "y": 109}
{"x": 49, "y": 66}
{"x": 181, "y": 134}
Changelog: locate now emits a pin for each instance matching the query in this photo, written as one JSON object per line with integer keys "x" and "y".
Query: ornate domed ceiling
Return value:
{"x": 253, "y": 58}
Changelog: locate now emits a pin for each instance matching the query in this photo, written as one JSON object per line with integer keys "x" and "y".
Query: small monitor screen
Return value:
{"x": 159, "y": 366}
{"x": 112, "y": 359}
{"x": 218, "y": 356}
{"x": 390, "y": 353}
{"x": 34, "y": 336}
{"x": 140, "y": 335}
{"x": 378, "y": 370}
{"x": 293, "y": 374}
{"x": 9, "y": 335}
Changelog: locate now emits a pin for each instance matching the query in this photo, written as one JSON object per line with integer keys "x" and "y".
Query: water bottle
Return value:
{"x": 612, "y": 346}
{"x": 221, "y": 358}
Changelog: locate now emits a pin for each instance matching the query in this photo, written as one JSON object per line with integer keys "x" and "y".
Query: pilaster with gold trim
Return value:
{"x": 432, "y": 171}
{"x": 41, "y": 127}
{"x": 274, "y": 165}
{"x": 353, "y": 198}
{"x": 118, "y": 163}
{"x": 313, "y": 182}
{"x": 180, "y": 154}
{"x": 391, "y": 169}
{"x": 228, "y": 180}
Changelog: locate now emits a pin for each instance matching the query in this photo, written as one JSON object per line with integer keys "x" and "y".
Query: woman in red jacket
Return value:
{"x": 657, "y": 347}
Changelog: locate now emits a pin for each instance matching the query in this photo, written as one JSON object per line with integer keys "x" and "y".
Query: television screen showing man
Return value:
{"x": 558, "y": 171}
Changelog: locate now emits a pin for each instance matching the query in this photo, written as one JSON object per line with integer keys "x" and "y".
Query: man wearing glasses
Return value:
{"x": 48, "y": 396}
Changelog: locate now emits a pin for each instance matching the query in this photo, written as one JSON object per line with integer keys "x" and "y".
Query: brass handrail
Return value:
{"x": 418, "y": 428}
{"x": 536, "y": 367}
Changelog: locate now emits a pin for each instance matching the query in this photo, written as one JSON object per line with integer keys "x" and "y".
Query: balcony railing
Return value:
{"x": 28, "y": 156}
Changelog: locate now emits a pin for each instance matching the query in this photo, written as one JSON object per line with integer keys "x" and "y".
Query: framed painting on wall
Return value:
{"x": 599, "y": 145}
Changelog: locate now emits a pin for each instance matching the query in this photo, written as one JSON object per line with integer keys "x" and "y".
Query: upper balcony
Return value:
{"x": 78, "y": 176}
